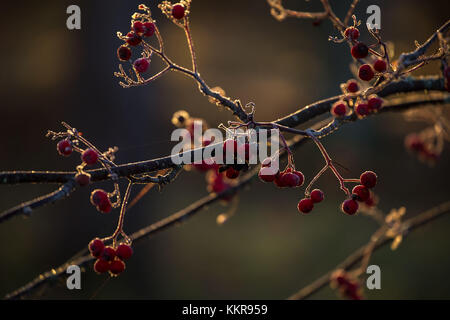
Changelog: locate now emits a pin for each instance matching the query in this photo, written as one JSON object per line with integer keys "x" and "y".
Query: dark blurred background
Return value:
{"x": 267, "y": 250}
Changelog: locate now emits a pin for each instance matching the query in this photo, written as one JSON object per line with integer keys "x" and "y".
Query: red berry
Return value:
{"x": 301, "y": 177}
{"x": 290, "y": 179}
{"x": 141, "y": 65}
{"x": 350, "y": 206}
{"x": 100, "y": 199}
{"x": 374, "y": 102}
{"x": 352, "y": 86}
{"x": 362, "y": 109}
{"x": 365, "y": 72}
{"x": 317, "y": 195}
{"x": 64, "y": 147}
{"x": 362, "y": 192}
{"x": 380, "y": 65}
{"x": 305, "y": 205}
{"x": 101, "y": 266}
{"x": 124, "y": 53}
{"x": 89, "y": 156}
{"x": 360, "y": 51}
{"x": 133, "y": 39}
{"x": 83, "y": 179}
{"x": 149, "y": 29}
{"x": 124, "y": 252}
{"x": 178, "y": 11}
{"x": 139, "y": 28}
{"x": 267, "y": 174}
{"x": 232, "y": 173}
{"x": 368, "y": 179}
{"x": 229, "y": 149}
{"x": 96, "y": 247}
{"x": 351, "y": 33}
{"x": 108, "y": 254}
{"x": 279, "y": 182}
{"x": 117, "y": 267}
{"x": 104, "y": 207}
{"x": 339, "y": 108}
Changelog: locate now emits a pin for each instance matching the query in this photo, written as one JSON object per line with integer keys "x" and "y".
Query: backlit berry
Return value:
{"x": 101, "y": 266}
{"x": 351, "y": 33}
{"x": 278, "y": 181}
{"x": 380, "y": 65}
{"x": 374, "y": 102}
{"x": 89, "y": 156}
{"x": 267, "y": 174}
{"x": 64, "y": 147}
{"x": 108, "y": 254}
{"x": 178, "y": 11}
{"x": 366, "y": 72}
{"x": 305, "y": 205}
{"x": 362, "y": 109}
{"x": 339, "y": 108}
{"x": 360, "y": 51}
{"x": 96, "y": 247}
{"x": 290, "y": 179}
{"x": 149, "y": 29}
{"x": 133, "y": 39}
{"x": 349, "y": 206}
{"x": 141, "y": 65}
{"x": 100, "y": 199}
{"x": 82, "y": 179}
{"x": 231, "y": 173}
{"x": 301, "y": 177}
{"x": 124, "y": 53}
{"x": 139, "y": 28}
{"x": 368, "y": 179}
{"x": 317, "y": 195}
{"x": 116, "y": 267}
{"x": 362, "y": 192}
{"x": 352, "y": 86}
{"x": 124, "y": 252}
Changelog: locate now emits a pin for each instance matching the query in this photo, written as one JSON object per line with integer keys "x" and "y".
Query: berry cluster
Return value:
{"x": 348, "y": 286}
{"x": 288, "y": 178}
{"x": 307, "y": 204}
{"x": 109, "y": 258}
{"x": 361, "y": 107}
{"x": 361, "y": 193}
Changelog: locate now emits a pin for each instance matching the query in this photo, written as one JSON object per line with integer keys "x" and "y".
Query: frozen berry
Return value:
{"x": 366, "y": 72}
{"x": 149, "y": 29}
{"x": 290, "y": 179}
{"x": 133, "y": 39}
{"x": 267, "y": 174}
{"x": 317, "y": 195}
{"x": 305, "y": 205}
{"x": 368, "y": 179}
{"x": 380, "y": 65}
{"x": 124, "y": 252}
{"x": 64, "y": 147}
{"x": 362, "y": 192}
{"x": 96, "y": 247}
{"x": 374, "y": 102}
{"x": 339, "y": 108}
{"x": 83, "y": 179}
{"x": 278, "y": 181}
{"x": 139, "y": 28}
{"x": 100, "y": 199}
{"x": 349, "y": 206}
{"x": 141, "y": 65}
{"x": 89, "y": 156}
{"x": 124, "y": 53}
{"x": 351, "y": 33}
{"x": 231, "y": 173}
{"x": 362, "y": 109}
{"x": 108, "y": 254}
{"x": 116, "y": 267}
{"x": 301, "y": 177}
{"x": 352, "y": 86}
{"x": 360, "y": 51}
{"x": 101, "y": 266}
{"x": 178, "y": 11}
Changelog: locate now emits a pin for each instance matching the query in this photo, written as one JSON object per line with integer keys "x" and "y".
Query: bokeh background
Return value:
{"x": 267, "y": 250}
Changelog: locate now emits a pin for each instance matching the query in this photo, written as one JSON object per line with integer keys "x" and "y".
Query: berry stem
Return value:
{"x": 190, "y": 44}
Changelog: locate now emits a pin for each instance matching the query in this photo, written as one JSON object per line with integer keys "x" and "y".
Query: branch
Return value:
{"x": 409, "y": 225}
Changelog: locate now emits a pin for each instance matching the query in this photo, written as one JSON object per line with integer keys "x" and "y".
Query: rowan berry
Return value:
{"x": 368, "y": 179}
{"x": 374, "y": 102}
{"x": 178, "y": 11}
{"x": 141, "y": 65}
{"x": 232, "y": 173}
{"x": 366, "y": 72}
{"x": 89, "y": 156}
{"x": 100, "y": 199}
{"x": 139, "y": 28}
{"x": 301, "y": 177}
{"x": 339, "y": 108}
{"x": 124, "y": 251}
{"x": 83, "y": 179}
{"x": 305, "y": 205}
{"x": 350, "y": 206}
{"x": 101, "y": 266}
{"x": 96, "y": 247}
{"x": 267, "y": 174}
{"x": 133, "y": 39}
{"x": 351, "y": 33}
{"x": 362, "y": 109}
{"x": 290, "y": 179}
{"x": 352, "y": 86}
{"x": 359, "y": 51}
{"x": 149, "y": 29}
{"x": 317, "y": 195}
{"x": 362, "y": 192}
{"x": 116, "y": 267}
{"x": 64, "y": 147}
{"x": 124, "y": 53}
{"x": 108, "y": 254}
{"x": 380, "y": 65}
{"x": 278, "y": 181}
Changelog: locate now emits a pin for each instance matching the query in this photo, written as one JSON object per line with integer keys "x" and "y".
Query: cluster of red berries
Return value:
{"x": 362, "y": 108}
{"x": 366, "y": 72}
{"x": 348, "y": 287}
{"x": 416, "y": 144}
{"x": 288, "y": 178}
{"x": 361, "y": 193}
{"x": 100, "y": 199}
{"x": 109, "y": 258}
{"x": 307, "y": 204}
